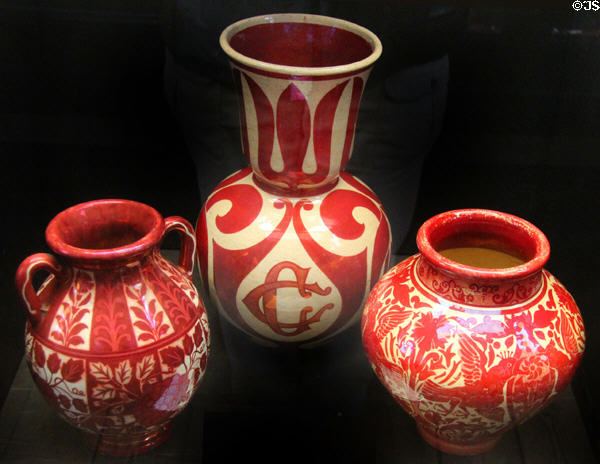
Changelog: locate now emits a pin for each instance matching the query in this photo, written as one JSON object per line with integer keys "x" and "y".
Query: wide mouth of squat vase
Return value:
{"x": 483, "y": 244}
{"x": 301, "y": 44}
{"x": 105, "y": 230}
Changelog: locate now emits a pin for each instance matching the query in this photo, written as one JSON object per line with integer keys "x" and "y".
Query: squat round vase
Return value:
{"x": 290, "y": 247}
{"x": 472, "y": 336}
{"x": 117, "y": 337}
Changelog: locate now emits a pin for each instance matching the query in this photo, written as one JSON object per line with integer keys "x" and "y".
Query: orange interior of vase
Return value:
{"x": 487, "y": 258}
{"x": 484, "y": 245}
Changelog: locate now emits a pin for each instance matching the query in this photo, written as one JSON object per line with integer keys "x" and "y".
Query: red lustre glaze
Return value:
{"x": 301, "y": 44}
{"x": 299, "y": 87}
{"x": 471, "y": 352}
{"x": 257, "y": 250}
{"x": 303, "y": 168}
{"x": 290, "y": 247}
{"x": 117, "y": 337}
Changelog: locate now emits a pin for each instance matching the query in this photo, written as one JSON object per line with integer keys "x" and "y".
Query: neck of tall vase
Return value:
{"x": 299, "y": 80}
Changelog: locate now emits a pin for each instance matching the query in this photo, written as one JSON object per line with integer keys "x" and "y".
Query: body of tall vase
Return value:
{"x": 472, "y": 336}
{"x": 117, "y": 337}
{"x": 290, "y": 247}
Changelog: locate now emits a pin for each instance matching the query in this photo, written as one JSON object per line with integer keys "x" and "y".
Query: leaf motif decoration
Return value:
{"x": 173, "y": 356}
{"x": 473, "y": 359}
{"x": 102, "y": 372}
{"x": 188, "y": 345}
{"x": 58, "y": 336}
{"x": 53, "y": 363}
{"x": 72, "y": 370}
{"x": 145, "y": 368}
{"x": 104, "y": 391}
{"x": 145, "y": 337}
{"x": 568, "y": 335}
{"x": 150, "y": 322}
{"x": 123, "y": 372}
{"x": 390, "y": 320}
{"x": 38, "y": 355}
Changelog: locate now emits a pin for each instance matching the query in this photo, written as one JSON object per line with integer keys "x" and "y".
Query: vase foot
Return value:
{"x": 469, "y": 449}
{"x": 129, "y": 444}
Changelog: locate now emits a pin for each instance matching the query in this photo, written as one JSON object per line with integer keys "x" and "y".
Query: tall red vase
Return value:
{"x": 470, "y": 351}
{"x": 290, "y": 247}
{"x": 117, "y": 337}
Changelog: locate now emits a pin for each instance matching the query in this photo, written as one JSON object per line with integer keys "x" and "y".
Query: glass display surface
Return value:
{"x": 468, "y": 106}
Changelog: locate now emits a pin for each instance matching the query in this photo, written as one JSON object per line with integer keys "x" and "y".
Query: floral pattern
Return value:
{"x": 151, "y": 323}
{"x": 125, "y": 349}
{"x": 468, "y": 373}
{"x": 124, "y": 394}
{"x": 72, "y": 322}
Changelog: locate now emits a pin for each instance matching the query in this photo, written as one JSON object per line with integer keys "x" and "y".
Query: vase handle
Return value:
{"x": 187, "y": 250}
{"x": 24, "y": 277}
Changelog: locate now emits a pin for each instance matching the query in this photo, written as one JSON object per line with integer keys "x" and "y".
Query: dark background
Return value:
{"x": 83, "y": 116}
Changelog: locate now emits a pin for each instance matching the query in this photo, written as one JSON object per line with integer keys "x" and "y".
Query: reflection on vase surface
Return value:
{"x": 117, "y": 338}
{"x": 471, "y": 352}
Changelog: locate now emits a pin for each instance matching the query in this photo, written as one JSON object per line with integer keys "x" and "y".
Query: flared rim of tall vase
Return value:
{"x": 321, "y": 49}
